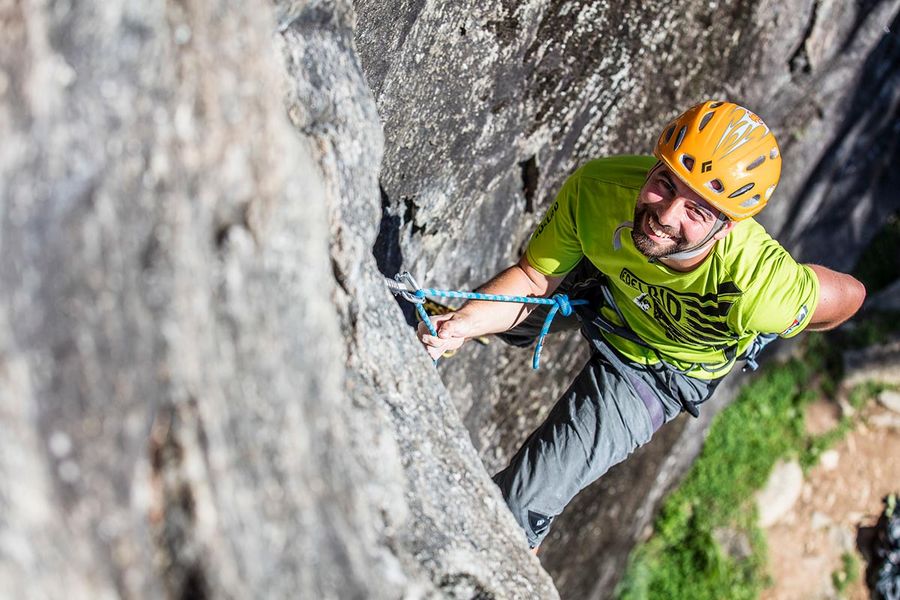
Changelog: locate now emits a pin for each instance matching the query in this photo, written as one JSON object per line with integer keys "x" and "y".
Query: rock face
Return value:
{"x": 487, "y": 108}
{"x": 439, "y": 514}
{"x": 168, "y": 429}
{"x": 181, "y": 415}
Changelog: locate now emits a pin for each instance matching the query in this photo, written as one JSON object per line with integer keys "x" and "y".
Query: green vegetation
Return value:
{"x": 847, "y": 574}
{"x": 683, "y": 560}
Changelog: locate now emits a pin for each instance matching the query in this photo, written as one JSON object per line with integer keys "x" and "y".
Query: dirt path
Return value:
{"x": 805, "y": 547}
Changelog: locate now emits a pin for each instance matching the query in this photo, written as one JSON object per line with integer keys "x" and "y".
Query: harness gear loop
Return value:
{"x": 761, "y": 341}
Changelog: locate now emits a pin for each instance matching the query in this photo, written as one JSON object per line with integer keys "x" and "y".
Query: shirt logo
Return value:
{"x": 551, "y": 212}
{"x": 643, "y": 304}
{"x": 686, "y": 317}
{"x": 798, "y": 320}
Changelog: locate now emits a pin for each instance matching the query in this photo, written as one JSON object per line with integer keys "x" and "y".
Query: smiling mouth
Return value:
{"x": 653, "y": 228}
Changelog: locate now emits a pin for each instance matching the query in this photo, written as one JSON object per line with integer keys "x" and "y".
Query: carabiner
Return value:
{"x": 406, "y": 278}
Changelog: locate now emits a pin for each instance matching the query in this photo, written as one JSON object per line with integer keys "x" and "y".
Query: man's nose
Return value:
{"x": 670, "y": 214}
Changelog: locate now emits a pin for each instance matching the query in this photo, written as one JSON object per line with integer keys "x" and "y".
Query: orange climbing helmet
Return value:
{"x": 726, "y": 154}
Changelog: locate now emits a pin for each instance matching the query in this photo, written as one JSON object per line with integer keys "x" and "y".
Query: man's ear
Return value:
{"x": 726, "y": 229}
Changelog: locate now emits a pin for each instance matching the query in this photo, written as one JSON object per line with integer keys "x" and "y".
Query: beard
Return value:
{"x": 646, "y": 245}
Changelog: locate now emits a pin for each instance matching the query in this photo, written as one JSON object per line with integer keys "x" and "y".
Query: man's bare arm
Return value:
{"x": 478, "y": 317}
{"x": 840, "y": 296}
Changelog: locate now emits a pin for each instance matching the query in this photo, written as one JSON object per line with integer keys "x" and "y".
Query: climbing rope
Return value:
{"x": 405, "y": 286}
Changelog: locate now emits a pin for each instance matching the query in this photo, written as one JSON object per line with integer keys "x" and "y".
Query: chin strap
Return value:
{"x": 697, "y": 250}
{"x": 617, "y": 236}
{"x": 701, "y": 247}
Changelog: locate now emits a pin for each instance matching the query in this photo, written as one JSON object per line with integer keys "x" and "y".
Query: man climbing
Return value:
{"x": 682, "y": 282}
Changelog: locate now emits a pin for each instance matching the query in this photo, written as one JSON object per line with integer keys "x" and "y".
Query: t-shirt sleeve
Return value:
{"x": 786, "y": 296}
{"x": 554, "y": 248}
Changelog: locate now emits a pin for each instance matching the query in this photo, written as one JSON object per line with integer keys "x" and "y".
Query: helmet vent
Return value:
{"x": 669, "y": 134}
{"x": 716, "y": 104}
{"x": 756, "y": 163}
{"x": 688, "y": 161}
{"x": 680, "y": 137}
{"x": 716, "y": 186}
{"x": 773, "y": 154}
{"x": 751, "y": 202}
{"x": 741, "y": 190}
{"x": 705, "y": 120}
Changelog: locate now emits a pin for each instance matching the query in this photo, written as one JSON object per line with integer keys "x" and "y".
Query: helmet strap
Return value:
{"x": 702, "y": 246}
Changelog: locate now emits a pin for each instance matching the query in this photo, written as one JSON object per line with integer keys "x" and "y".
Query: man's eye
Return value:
{"x": 701, "y": 214}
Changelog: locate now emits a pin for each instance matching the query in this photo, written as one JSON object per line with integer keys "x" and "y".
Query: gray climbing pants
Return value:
{"x": 611, "y": 408}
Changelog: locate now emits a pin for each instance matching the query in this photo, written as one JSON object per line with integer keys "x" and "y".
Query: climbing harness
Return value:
{"x": 762, "y": 340}
{"x": 405, "y": 286}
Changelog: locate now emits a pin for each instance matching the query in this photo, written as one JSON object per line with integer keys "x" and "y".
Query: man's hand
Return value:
{"x": 479, "y": 317}
{"x": 453, "y": 330}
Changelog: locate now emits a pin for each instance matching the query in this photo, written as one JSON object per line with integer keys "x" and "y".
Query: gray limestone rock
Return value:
{"x": 199, "y": 398}
{"x": 448, "y": 524}
{"x": 169, "y": 428}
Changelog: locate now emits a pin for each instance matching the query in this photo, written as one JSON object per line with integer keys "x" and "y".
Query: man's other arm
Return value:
{"x": 479, "y": 317}
{"x": 840, "y": 296}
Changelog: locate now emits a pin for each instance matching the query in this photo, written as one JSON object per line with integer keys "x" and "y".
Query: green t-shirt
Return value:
{"x": 747, "y": 285}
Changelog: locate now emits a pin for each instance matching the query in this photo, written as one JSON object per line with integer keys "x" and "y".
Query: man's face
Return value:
{"x": 669, "y": 216}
